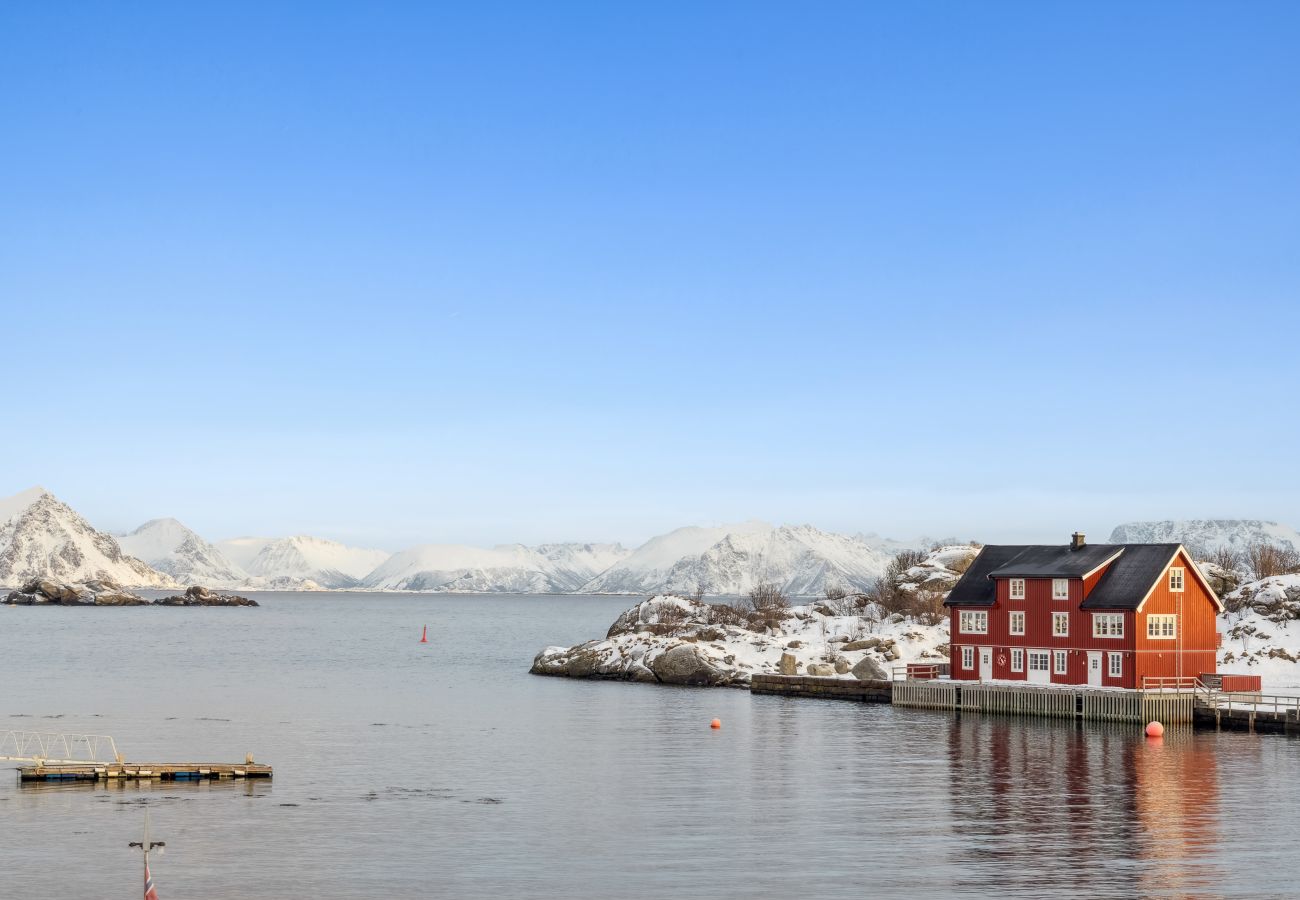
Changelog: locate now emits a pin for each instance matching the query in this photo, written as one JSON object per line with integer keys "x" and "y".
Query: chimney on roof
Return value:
{"x": 1077, "y": 540}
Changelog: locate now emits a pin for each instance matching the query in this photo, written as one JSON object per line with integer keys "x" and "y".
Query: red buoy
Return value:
{"x": 716, "y": 723}
{"x": 424, "y": 635}
{"x": 1155, "y": 729}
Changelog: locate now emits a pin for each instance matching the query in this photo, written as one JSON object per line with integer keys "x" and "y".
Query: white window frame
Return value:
{"x": 968, "y": 625}
{"x": 1017, "y": 659}
{"x": 1012, "y": 585}
{"x": 1108, "y": 625}
{"x": 1045, "y": 655}
{"x": 1177, "y": 579}
{"x": 1162, "y": 627}
{"x": 1060, "y": 664}
{"x": 1011, "y": 622}
{"x": 1060, "y": 589}
{"x": 1058, "y": 617}
{"x": 968, "y": 657}
{"x": 1115, "y": 665}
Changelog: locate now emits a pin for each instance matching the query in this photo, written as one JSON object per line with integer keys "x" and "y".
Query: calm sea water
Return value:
{"x": 445, "y": 770}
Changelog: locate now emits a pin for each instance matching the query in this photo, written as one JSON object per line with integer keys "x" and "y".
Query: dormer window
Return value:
{"x": 1175, "y": 580}
{"x": 1060, "y": 589}
{"x": 1017, "y": 588}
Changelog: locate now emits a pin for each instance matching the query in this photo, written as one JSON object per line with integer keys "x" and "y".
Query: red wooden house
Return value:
{"x": 1110, "y": 615}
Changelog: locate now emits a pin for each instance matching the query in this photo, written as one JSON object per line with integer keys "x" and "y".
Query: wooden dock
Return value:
{"x": 1170, "y": 704}
{"x": 143, "y": 771}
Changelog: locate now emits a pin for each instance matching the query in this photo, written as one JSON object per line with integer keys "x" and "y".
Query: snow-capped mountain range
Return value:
{"x": 513, "y": 568}
{"x": 310, "y": 561}
{"x": 42, "y": 537}
{"x": 1207, "y": 535}
{"x": 801, "y": 560}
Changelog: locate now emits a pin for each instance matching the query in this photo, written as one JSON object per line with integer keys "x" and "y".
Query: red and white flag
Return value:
{"x": 150, "y": 892}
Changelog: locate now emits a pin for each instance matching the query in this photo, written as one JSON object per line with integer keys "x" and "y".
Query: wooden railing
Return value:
{"x": 919, "y": 671}
{"x": 1185, "y": 683}
{"x": 1278, "y": 704}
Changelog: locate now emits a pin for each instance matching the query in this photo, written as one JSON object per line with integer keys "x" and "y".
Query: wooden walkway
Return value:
{"x": 143, "y": 771}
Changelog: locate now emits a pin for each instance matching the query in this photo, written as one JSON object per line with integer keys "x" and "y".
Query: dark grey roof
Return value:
{"x": 1122, "y": 586}
{"x": 1056, "y": 562}
{"x": 1128, "y": 579}
{"x": 975, "y": 588}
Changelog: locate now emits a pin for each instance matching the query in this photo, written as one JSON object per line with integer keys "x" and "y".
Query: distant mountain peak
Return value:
{"x": 43, "y": 537}
{"x": 169, "y": 546}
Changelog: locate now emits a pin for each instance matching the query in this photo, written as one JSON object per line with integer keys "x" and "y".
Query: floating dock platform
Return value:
{"x": 143, "y": 771}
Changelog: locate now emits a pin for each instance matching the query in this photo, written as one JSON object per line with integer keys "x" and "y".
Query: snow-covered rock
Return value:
{"x": 301, "y": 559}
{"x": 43, "y": 591}
{"x": 1203, "y": 536}
{"x": 674, "y": 640}
{"x": 170, "y": 547}
{"x": 43, "y": 537}
{"x": 511, "y": 568}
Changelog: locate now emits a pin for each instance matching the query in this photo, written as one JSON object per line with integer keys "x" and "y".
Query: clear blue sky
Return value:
{"x": 394, "y": 273}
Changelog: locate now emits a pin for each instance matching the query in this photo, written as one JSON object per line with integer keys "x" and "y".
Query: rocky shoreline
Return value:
{"x": 680, "y": 641}
{"x": 106, "y": 592}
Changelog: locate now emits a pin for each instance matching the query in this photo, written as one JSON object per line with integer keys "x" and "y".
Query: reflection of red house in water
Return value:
{"x": 1109, "y": 615}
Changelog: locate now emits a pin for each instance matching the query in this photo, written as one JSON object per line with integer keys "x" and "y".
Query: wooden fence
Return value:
{"x": 925, "y": 694}
{"x": 1052, "y": 702}
{"x": 1014, "y": 700}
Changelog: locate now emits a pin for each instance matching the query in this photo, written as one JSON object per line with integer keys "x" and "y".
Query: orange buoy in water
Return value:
{"x": 424, "y": 635}
{"x": 1155, "y": 729}
{"x": 716, "y": 723}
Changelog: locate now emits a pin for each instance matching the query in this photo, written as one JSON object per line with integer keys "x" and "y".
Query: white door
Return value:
{"x": 1040, "y": 662}
{"x": 1094, "y": 668}
{"x": 986, "y": 663}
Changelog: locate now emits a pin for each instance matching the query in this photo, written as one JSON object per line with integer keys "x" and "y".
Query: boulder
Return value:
{"x": 20, "y": 598}
{"x": 583, "y": 664}
{"x": 638, "y": 672}
{"x": 841, "y": 666}
{"x": 119, "y": 598}
{"x": 795, "y": 645}
{"x": 201, "y": 596}
{"x": 860, "y": 645}
{"x": 788, "y": 664}
{"x": 683, "y": 664}
{"x": 868, "y": 669}
{"x": 551, "y": 661}
{"x": 821, "y": 670}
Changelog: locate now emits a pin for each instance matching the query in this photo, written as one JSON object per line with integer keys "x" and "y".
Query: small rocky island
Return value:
{"x": 106, "y": 592}
{"x": 683, "y": 641}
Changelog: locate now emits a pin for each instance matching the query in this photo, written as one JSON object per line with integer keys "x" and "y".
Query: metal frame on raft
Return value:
{"x": 53, "y": 756}
{"x": 57, "y": 748}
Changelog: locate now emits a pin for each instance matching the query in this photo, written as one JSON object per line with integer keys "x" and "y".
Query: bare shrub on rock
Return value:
{"x": 768, "y": 605}
{"x": 927, "y": 606}
{"x": 726, "y": 614}
{"x": 1267, "y": 560}
{"x": 768, "y": 596}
